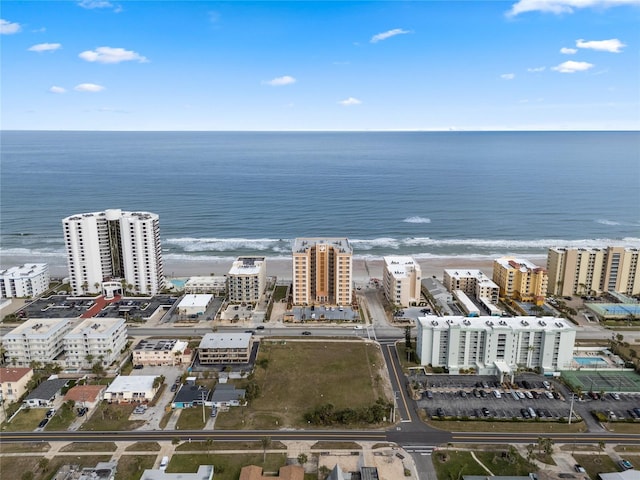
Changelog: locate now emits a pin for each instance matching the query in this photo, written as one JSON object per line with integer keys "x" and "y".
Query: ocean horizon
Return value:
{"x": 425, "y": 194}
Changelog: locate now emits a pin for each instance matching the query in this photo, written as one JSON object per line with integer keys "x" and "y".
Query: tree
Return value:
{"x": 28, "y": 475}
{"x": 98, "y": 370}
{"x": 43, "y": 464}
{"x": 302, "y": 459}
{"x": 266, "y": 443}
{"x": 601, "y": 446}
{"x": 407, "y": 337}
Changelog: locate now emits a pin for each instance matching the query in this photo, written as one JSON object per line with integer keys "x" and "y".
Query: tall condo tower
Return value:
{"x": 114, "y": 245}
{"x": 322, "y": 271}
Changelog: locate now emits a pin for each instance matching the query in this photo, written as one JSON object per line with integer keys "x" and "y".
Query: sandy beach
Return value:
{"x": 363, "y": 270}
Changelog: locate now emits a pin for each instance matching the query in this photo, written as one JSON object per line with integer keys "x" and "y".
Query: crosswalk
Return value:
{"x": 420, "y": 449}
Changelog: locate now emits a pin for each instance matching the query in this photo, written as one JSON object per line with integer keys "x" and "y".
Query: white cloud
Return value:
{"x": 45, "y": 47}
{"x": 388, "y": 34}
{"x": 572, "y": 67}
{"x": 7, "y": 28}
{"x": 508, "y": 76}
{"x": 281, "y": 81}
{"x": 349, "y": 102}
{"x": 88, "y": 87}
{"x": 568, "y": 51}
{"x": 536, "y": 69}
{"x": 91, "y": 4}
{"x": 612, "y": 45}
{"x": 56, "y": 89}
{"x": 563, "y": 6}
{"x": 111, "y": 55}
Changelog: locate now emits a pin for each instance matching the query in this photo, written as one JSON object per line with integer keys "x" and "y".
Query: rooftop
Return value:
{"x": 84, "y": 393}
{"x": 247, "y": 266}
{"x": 301, "y": 245}
{"x": 225, "y": 392}
{"x": 225, "y": 340}
{"x": 13, "y": 374}
{"x": 205, "y": 472}
{"x": 97, "y": 327}
{"x": 490, "y": 323}
{"x": 518, "y": 263}
{"x": 47, "y": 389}
{"x": 131, "y": 383}
{"x": 161, "y": 345}
{"x": 39, "y": 327}
{"x": 401, "y": 266}
{"x": 195, "y": 300}
{"x": 23, "y": 271}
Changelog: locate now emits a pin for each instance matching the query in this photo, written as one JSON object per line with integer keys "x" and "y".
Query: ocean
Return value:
{"x": 425, "y": 194}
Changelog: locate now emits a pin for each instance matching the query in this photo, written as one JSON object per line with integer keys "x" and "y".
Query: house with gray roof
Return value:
{"x": 227, "y": 395}
{"x": 44, "y": 394}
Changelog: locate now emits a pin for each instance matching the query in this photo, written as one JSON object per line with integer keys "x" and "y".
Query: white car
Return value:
{"x": 358, "y": 327}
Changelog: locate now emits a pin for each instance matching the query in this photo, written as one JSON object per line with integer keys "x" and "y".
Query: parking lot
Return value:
{"x": 461, "y": 396}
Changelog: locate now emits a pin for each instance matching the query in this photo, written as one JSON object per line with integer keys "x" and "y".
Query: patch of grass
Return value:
{"x": 505, "y": 462}
{"x": 213, "y": 445}
{"x": 26, "y": 420}
{"x": 622, "y": 427}
{"x": 63, "y": 417}
{"x": 191, "y": 419}
{"x": 130, "y": 467}
{"x": 165, "y": 419}
{"x": 143, "y": 447}
{"x": 489, "y": 426}
{"x": 24, "y": 447}
{"x": 13, "y": 467}
{"x": 301, "y": 376}
{"x": 595, "y": 464}
{"x": 112, "y": 417}
{"x": 627, "y": 448}
{"x": 454, "y": 464}
{"x": 227, "y": 467}
{"x": 90, "y": 447}
{"x": 324, "y": 445}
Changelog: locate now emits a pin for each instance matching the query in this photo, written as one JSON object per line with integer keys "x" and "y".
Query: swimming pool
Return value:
{"x": 590, "y": 360}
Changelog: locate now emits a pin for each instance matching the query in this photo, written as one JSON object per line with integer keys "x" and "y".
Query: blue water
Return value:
{"x": 589, "y": 361}
{"x": 222, "y": 194}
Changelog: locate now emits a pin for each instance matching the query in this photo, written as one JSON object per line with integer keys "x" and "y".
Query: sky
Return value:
{"x": 329, "y": 65}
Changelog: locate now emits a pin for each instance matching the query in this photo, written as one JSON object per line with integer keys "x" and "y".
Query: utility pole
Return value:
{"x": 571, "y": 408}
{"x": 202, "y": 396}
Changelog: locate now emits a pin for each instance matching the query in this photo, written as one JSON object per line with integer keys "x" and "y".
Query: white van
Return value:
{"x": 163, "y": 463}
{"x": 497, "y": 394}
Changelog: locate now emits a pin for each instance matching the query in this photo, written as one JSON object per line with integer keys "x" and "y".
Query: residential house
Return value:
{"x": 45, "y": 393}
{"x": 132, "y": 388}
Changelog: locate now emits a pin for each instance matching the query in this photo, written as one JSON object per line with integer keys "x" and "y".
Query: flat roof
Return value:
{"x": 24, "y": 271}
{"x": 401, "y": 266}
{"x": 521, "y": 264}
{"x": 39, "y": 327}
{"x": 225, "y": 340}
{"x": 205, "y": 472}
{"x": 225, "y": 392}
{"x": 301, "y": 245}
{"x": 161, "y": 345}
{"x": 189, "y": 393}
{"x": 247, "y": 266}
{"x": 92, "y": 327}
{"x": 490, "y": 323}
{"x": 131, "y": 383}
{"x": 196, "y": 300}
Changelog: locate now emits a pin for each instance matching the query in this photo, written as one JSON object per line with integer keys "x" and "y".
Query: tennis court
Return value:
{"x": 607, "y": 381}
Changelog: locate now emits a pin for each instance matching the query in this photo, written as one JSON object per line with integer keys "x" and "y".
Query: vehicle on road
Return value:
{"x": 260, "y": 327}
{"x": 306, "y": 332}
{"x": 626, "y": 464}
{"x": 358, "y": 327}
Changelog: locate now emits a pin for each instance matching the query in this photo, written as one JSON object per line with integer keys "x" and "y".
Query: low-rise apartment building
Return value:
{"x": 37, "y": 339}
{"x": 520, "y": 279}
{"x": 223, "y": 348}
{"x": 95, "y": 340}
{"x": 161, "y": 352}
{"x": 13, "y": 384}
{"x": 216, "y": 285}
{"x": 29, "y": 280}
{"x": 592, "y": 271}
{"x": 401, "y": 279}
{"x": 247, "y": 280}
{"x": 493, "y": 346}
{"x": 194, "y": 305}
{"x": 472, "y": 282}
{"x": 132, "y": 388}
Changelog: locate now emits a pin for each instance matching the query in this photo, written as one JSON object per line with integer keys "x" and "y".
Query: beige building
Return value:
{"x": 247, "y": 279}
{"x": 217, "y": 348}
{"x": 520, "y": 279}
{"x": 322, "y": 271}
{"x": 401, "y": 279}
{"x": 13, "y": 385}
{"x": 154, "y": 352}
{"x": 472, "y": 282}
{"x": 212, "y": 284}
{"x": 591, "y": 271}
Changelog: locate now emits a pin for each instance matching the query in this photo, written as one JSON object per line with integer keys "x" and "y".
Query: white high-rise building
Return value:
{"x": 401, "y": 279}
{"x": 114, "y": 245}
{"x": 494, "y": 346}
{"x": 30, "y": 280}
{"x": 247, "y": 279}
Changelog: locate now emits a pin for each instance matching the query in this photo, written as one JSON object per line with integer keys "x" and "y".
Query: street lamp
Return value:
{"x": 571, "y": 408}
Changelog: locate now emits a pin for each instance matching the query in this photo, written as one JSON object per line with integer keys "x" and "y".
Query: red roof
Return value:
{"x": 13, "y": 374}
{"x": 84, "y": 393}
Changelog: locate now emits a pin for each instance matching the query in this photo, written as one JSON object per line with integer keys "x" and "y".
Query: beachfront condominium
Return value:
{"x": 591, "y": 271}
{"x": 520, "y": 280}
{"x": 36, "y": 340}
{"x": 402, "y": 279}
{"x": 322, "y": 270}
{"x": 472, "y": 282}
{"x": 114, "y": 245}
{"x": 247, "y": 279}
{"x": 30, "y": 280}
{"x": 95, "y": 340}
{"x": 496, "y": 345}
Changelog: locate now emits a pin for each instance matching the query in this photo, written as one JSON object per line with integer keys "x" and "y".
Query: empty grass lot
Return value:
{"x": 14, "y": 467}
{"x": 454, "y": 464}
{"x": 26, "y": 420}
{"x": 191, "y": 418}
{"x": 301, "y": 375}
{"x": 130, "y": 467}
{"x": 111, "y": 417}
{"x": 595, "y": 464}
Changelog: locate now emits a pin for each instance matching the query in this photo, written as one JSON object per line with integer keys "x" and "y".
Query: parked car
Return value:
{"x": 138, "y": 367}
{"x": 260, "y": 327}
{"x": 82, "y": 411}
{"x": 43, "y": 423}
{"x": 579, "y": 468}
{"x": 626, "y": 464}
{"x": 440, "y": 412}
{"x": 51, "y": 412}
